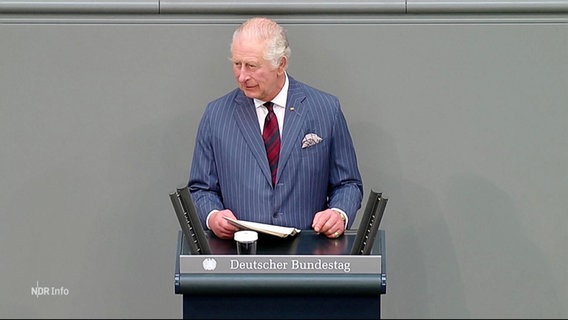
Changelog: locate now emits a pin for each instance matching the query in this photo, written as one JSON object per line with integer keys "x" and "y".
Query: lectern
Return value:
{"x": 307, "y": 276}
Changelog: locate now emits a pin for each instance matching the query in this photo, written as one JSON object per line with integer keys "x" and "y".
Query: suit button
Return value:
{"x": 275, "y": 215}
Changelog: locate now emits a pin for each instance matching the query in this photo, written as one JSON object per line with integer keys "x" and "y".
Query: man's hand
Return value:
{"x": 221, "y": 227}
{"x": 329, "y": 222}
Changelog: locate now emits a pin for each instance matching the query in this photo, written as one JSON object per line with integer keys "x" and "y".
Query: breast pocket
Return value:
{"x": 315, "y": 158}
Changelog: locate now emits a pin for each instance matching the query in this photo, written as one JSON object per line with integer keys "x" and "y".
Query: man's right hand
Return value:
{"x": 220, "y": 226}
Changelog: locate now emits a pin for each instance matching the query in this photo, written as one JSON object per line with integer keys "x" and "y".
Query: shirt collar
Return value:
{"x": 280, "y": 99}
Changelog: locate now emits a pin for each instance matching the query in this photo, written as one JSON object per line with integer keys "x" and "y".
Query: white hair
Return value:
{"x": 271, "y": 33}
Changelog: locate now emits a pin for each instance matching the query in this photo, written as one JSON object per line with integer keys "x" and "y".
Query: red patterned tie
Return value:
{"x": 271, "y": 136}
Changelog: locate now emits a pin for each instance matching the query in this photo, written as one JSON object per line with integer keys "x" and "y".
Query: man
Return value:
{"x": 314, "y": 181}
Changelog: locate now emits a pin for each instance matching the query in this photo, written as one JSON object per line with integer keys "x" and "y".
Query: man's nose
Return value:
{"x": 243, "y": 74}
{"x": 242, "y": 77}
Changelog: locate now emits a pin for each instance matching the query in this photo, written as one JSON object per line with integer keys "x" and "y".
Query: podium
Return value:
{"x": 307, "y": 276}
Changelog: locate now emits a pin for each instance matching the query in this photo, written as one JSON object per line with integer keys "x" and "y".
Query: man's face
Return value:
{"x": 255, "y": 76}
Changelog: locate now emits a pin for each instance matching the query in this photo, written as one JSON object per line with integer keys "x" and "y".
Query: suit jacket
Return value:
{"x": 230, "y": 168}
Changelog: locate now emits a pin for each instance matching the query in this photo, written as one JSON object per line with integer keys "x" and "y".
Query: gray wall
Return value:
{"x": 458, "y": 113}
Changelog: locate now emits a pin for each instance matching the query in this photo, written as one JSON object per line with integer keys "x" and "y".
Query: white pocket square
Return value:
{"x": 310, "y": 139}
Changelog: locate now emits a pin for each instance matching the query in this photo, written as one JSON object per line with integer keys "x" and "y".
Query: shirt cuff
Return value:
{"x": 343, "y": 215}
{"x": 209, "y": 216}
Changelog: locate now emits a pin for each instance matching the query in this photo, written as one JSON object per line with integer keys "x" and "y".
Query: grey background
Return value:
{"x": 458, "y": 114}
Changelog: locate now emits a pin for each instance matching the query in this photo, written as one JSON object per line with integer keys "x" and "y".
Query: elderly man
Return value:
{"x": 274, "y": 150}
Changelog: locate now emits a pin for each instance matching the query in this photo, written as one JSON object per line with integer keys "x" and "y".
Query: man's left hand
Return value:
{"x": 329, "y": 222}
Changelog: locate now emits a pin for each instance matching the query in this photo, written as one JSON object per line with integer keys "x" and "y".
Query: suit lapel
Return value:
{"x": 293, "y": 123}
{"x": 247, "y": 121}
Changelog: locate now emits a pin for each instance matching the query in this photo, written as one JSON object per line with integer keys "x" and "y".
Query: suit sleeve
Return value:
{"x": 203, "y": 179}
{"x": 345, "y": 183}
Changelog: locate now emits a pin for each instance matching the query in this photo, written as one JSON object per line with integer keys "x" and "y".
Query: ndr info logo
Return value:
{"x": 49, "y": 291}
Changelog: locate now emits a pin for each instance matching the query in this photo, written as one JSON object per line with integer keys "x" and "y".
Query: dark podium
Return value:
{"x": 304, "y": 277}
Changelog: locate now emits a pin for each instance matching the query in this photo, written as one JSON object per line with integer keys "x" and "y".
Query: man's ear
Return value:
{"x": 282, "y": 65}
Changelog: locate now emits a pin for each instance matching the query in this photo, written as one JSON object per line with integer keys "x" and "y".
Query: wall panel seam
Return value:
{"x": 321, "y": 7}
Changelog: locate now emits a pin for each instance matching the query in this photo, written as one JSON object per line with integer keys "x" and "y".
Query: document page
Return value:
{"x": 278, "y": 231}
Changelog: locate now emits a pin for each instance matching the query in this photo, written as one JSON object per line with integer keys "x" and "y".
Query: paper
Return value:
{"x": 278, "y": 231}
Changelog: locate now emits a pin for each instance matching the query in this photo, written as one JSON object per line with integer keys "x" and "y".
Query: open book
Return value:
{"x": 278, "y": 231}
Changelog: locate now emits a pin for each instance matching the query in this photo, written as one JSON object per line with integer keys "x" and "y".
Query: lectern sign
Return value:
{"x": 320, "y": 264}
{"x": 282, "y": 279}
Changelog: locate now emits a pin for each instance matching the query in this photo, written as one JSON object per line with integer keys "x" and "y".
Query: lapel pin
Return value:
{"x": 291, "y": 109}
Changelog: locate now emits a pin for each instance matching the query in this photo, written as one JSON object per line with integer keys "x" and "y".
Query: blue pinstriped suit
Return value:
{"x": 230, "y": 168}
